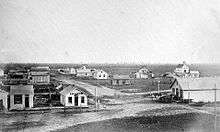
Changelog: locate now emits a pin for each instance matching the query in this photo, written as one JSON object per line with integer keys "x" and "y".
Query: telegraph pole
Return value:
{"x": 215, "y": 113}
{"x": 188, "y": 92}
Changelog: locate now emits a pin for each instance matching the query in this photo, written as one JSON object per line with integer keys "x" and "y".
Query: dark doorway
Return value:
{"x": 26, "y": 101}
{"x": 1, "y": 104}
{"x": 76, "y": 100}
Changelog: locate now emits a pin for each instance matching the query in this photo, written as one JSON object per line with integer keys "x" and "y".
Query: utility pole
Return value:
{"x": 188, "y": 92}
{"x": 158, "y": 87}
{"x": 95, "y": 98}
{"x": 215, "y": 109}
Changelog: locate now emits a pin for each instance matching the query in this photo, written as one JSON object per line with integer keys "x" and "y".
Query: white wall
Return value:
{"x": 204, "y": 96}
{"x": 65, "y": 102}
{"x": 20, "y": 106}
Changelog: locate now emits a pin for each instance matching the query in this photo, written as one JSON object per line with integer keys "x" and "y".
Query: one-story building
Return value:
{"x": 21, "y": 97}
{"x": 197, "y": 89}
{"x": 72, "y": 95}
{"x": 118, "y": 80}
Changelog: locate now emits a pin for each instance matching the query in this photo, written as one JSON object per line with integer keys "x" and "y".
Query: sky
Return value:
{"x": 110, "y": 31}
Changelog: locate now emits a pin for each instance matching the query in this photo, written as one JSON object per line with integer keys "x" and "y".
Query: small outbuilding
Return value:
{"x": 118, "y": 80}
{"x": 21, "y": 97}
{"x": 72, "y": 95}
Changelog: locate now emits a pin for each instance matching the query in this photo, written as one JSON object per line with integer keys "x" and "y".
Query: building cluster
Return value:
{"x": 34, "y": 87}
{"x": 84, "y": 72}
{"x": 183, "y": 70}
{"x": 25, "y": 89}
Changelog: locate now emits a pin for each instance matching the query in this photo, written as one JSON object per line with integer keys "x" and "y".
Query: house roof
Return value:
{"x": 202, "y": 83}
{"x": 121, "y": 77}
{"x": 67, "y": 88}
{"x": 45, "y": 68}
{"x": 180, "y": 65}
{"x": 21, "y": 89}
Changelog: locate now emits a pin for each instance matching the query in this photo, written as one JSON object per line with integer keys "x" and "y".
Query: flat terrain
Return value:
{"x": 125, "y": 113}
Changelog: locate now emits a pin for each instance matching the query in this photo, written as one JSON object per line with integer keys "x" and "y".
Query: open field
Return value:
{"x": 139, "y": 85}
{"x": 173, "y": 123}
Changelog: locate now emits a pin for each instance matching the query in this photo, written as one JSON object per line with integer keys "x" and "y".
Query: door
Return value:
{"x": 26, "y": 101}
{"x": 76, "y": 100}
{"x": 1, "y": 104}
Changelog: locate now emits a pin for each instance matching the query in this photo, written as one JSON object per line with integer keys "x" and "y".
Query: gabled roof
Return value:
{"x": 180, "y": 65}
{"x": 67, "y": 88}
{"x": 202, "y": 83}
{"x": 21, "y": 89}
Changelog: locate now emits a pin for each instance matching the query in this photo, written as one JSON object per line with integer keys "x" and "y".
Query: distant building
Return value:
{"x": 194, "y": 74}
{"x": 197, "y": 89}
{"x": 15, "y": 77}
{"x": 72, "y": 71}
{"x": 100, "y": 74}
{"x": 118, "y": 80}
{"x": 183, "y": 70}
{"x": 1, "y": 72}
{"x": 21, "y": 97}
{"x": 84, "y": 72}
{"x": 73, "y": 96}
{"x": 144, "y": 73}
{"x": 39, "y": 75}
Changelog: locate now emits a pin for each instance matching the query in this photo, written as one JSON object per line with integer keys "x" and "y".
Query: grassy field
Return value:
{"x": 140, "y": 85}
{"x": 173, "y": 123}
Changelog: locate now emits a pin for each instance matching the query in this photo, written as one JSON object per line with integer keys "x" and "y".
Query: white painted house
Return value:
{"x": 84, "y": 72}
{"x": 21, "y": 97}
{"x": 143, "y": 73}
{"x": 73, "y": 96}
{"x": 100, "y": 74}
{"x": 197, "y": 89}
{"x": 182, "y": 69}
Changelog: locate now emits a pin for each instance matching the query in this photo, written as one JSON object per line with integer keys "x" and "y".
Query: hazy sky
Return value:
{"x": 133, "y": 31}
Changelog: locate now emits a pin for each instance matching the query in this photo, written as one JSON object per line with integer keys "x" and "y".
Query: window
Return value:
{"x": 70, "y": 100}
{"x": 18, "y": 99}
{"x": 104, "y": 75}
{"x": 99, "y": 75}
{"x": 82, "y": 99}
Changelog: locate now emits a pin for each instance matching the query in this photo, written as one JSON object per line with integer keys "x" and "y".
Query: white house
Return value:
{"x": 84, "y": 72}
{"x": 21, "y": 97}
{"x": 72, "y": 71}
{"x": 143, "y": 73}
{"x": 100, "y": 74}
{"x": 197, "y": 89}
{"x": 194, "y": 74}
{"x": 72, "y": 95}
{"x": 182, "y": 69}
